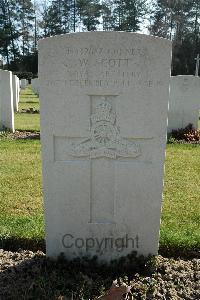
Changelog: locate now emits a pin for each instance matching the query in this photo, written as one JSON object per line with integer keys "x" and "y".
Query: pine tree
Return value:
{"x": 170, "y": 18}
{"x": 25, "y": 25}
{"x": 8, "y": 30}
{"x": 58, "y": 17}
{"x": 89, "y": 12}
{"x": 107, "y": 15}
{"x": 129, "y": 14}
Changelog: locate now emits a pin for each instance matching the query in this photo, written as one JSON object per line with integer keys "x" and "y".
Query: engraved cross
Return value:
{"x": 102, "y": 149}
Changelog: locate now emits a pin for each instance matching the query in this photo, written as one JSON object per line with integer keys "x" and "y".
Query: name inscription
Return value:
{"x": 70, "y": 51}
{"x": 115, "y": 68}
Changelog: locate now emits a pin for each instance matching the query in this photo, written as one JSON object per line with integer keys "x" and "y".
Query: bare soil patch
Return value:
{"x": 28, "y": 275}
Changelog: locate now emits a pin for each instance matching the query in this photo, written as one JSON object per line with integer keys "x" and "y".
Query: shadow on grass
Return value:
{"x": 29, "y": 95}
{"x": 173, "y": 251}
{"x": 30, "y": 102}
{"x": 20, "y": 135}
{"x": 14, "y": 244}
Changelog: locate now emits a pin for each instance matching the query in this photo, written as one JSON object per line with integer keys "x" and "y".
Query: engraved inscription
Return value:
{"x": 103, "y": 51}
{"x": 103, "y": 83}
{"x": 103, "y": 68}
{"x": 114, "y": 68}
{"x": 185, "y": 84}
{"x": 100, "y": 83}
{"x": 105, "y": 139}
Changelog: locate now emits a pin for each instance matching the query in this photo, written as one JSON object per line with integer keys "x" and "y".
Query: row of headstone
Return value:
{"x": 6, "y": 101}
{"x": 9, "y": 99}
{"x": 23, "y": 83}
{"x": 184, "y": 102}
{"x": 16, "y": 90}
{"x": 35, "y": 85}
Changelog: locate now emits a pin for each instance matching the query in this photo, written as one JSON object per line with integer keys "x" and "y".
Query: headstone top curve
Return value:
{"x": 105, "y": 34}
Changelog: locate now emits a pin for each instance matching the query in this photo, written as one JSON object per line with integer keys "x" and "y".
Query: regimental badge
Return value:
{"x": 105, "y": 139}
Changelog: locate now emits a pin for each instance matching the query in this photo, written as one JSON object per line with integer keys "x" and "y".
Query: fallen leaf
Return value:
{"x": 115, "y": 292}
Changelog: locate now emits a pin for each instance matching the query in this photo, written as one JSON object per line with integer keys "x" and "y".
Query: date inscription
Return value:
{"x": 106, "y": 67}
{"x": 70, "y": 51}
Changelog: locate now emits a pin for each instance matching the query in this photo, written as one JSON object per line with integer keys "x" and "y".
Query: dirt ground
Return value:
{"x": 28, "y": 275}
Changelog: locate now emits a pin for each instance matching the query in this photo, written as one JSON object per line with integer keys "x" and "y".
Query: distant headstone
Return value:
{"x": 197, "y": 65}
{"x": 6, "y": 101}
{"x": 35, "y": 85}
{"x": 184, "y": 101}
{"x": 23, "y": 84}
{"x": 104, "y": 99}
{"x": 15, "y": 92}
{"x": 18, "y": 88}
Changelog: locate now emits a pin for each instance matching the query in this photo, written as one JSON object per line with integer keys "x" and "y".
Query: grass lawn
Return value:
{"x": 20, "y": 189}
{"x": 181, "y": 204}
{"x": 21, "y": 195}
{"x": 26, "y": 121}
{"x": 21, "y": 209}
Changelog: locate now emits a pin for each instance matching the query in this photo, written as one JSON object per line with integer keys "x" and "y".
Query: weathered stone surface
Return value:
{"x": 184, "y": 101}
{"x": 35, "y": 85}
{"x": 18, "y": 88}
{"x": 104, "y": 99}
{"x": 23, "y": 83}
{"x": 6, "y": 101}
{"x": 15, "y": 92}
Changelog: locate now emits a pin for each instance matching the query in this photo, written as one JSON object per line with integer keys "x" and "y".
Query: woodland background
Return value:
{"x": 23, "y": 22}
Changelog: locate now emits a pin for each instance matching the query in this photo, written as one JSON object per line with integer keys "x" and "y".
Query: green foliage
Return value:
{"x": 21, "y": 25}
{"x": 65, "y": 16}
{"x": 128, "y": 14}
{"x": 179, "y": 21}
{"x": 8, "y": 47}
{"x": 89, "y": 12}
{"x": 125, "y": 15}
{"x": 26, "y": 75}
{"x": 16, "y": 23}
{"x": 25, "y": 66}
{"x": 169, "y": 18}
{"x": 57, "y": 18}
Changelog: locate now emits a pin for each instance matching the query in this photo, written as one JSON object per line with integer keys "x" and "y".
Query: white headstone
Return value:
{"x": 197, "y": 65}
{"x": 23, "y": 83}
{"x": 15, "y": 92}
{"x": 104, "y": 99}
{"x": 18, "y": 88}
{"x": 184, "y": 101}
{"x": 6, "y": 101}
{"x": 35, "y": 85}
